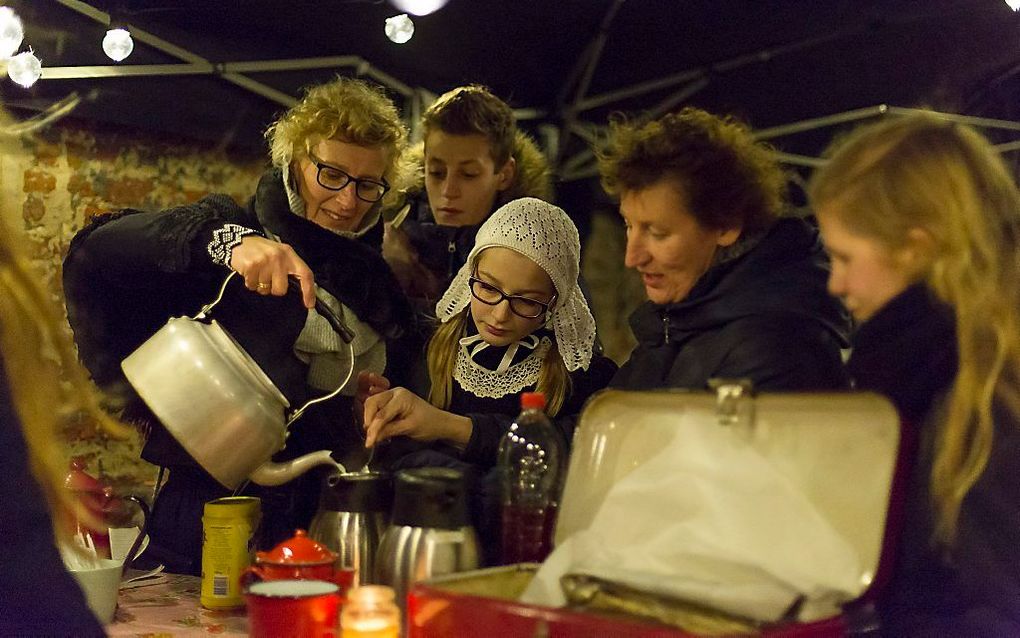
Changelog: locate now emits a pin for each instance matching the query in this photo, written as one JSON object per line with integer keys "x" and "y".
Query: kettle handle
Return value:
{"x": 343, "y": 384}
{"x": 335, "y": 321}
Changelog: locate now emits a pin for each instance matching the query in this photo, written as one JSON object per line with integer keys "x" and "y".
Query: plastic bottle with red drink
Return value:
{"x": 531, "y": 464}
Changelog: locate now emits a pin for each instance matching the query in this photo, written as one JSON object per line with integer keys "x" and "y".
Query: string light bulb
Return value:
{"x": 399, "y": 28}
{"x": 11, "y": 32}
{"x": 24, "y": 68}
{"x": 118, "y": 44}
{"x": 419, "y": 7}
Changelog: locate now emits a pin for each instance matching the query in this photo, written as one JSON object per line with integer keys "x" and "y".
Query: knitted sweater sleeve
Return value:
{"x": 125, "y": 246}
{"x": 122, "y": 268}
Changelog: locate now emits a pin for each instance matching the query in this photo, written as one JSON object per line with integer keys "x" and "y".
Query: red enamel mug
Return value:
{"x": 296, "y": 608}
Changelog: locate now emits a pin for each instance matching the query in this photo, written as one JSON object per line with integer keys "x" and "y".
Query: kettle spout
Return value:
{"x": 270, "y": 473}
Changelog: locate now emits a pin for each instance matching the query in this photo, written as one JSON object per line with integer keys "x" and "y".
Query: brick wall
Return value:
{"x": 55, "y": 181}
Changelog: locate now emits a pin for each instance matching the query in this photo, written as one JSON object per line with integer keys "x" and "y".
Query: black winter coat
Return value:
{"x": 127, "y": 273}
{"x": 765, "y": 316}
{"x": 908, "y": 352}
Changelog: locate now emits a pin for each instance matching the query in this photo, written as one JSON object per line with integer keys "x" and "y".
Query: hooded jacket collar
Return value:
{"x": 784, "y": 274}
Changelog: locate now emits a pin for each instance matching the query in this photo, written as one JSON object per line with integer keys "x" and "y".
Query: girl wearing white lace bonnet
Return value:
{"x": 513, "y": 320}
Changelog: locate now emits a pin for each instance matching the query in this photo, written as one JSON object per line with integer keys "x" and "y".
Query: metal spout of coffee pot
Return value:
{"x": 270, "y": 473}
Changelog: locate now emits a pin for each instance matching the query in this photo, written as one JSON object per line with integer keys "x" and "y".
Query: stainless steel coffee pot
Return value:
{"x": 352, "y": 515}
{"x": 429, "y": 533}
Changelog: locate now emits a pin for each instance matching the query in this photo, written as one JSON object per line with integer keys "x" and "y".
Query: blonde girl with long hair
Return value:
{"x": 922, "y": 219}
{"x": 37, "y": 595}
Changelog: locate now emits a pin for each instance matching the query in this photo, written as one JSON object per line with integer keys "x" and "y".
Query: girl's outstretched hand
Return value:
{"x": 400, "y": 412}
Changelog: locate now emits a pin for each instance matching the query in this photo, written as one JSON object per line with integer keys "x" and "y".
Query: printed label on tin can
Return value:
{"x": 228, "y": 528}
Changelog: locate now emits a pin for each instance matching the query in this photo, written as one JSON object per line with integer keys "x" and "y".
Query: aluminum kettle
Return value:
{"x": 218, "y": 403}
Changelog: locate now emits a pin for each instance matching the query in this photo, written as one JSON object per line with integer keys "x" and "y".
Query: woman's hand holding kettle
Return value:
{"x": 266, "y": 265}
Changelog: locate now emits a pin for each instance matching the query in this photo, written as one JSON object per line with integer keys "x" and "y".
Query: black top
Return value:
{"x": 888, "y": 359}
{"x": 491, "y": 418}
{"x": 908, "y": 352}
{"x": 38, "y": 597}
{"x": 764, "y": 316}
{"x": 441, "y": 250}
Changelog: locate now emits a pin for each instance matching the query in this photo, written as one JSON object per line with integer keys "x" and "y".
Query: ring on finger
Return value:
{"x": 263, "y": 286}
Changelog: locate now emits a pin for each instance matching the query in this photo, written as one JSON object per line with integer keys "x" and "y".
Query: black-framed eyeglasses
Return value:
{"x": 335, "y": 179}
{"x": 525, "y": 307}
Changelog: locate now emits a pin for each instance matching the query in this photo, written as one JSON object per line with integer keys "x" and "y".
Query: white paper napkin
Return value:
{"x": 710, "y": 520}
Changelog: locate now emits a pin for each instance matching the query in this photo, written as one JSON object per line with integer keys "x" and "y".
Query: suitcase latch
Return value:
{"x": 734, "y": 402}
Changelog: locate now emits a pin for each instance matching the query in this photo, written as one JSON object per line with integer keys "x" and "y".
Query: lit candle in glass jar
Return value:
{"x": 370, "y": 612}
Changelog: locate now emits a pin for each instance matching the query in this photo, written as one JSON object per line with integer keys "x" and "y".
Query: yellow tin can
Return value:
{"x": 228, "y": 540}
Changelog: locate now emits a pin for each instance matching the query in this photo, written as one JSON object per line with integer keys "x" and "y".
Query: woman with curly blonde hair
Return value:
{"x": 314, "y": 218}
{"x": 922, "y": 219}
{"x": 37, "y": 595}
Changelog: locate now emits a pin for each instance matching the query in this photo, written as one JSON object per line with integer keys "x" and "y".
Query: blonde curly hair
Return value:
{"x": 349, "y": 110}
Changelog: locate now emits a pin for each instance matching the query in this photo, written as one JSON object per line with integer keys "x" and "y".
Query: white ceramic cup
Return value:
{"x": 101, "y": 585}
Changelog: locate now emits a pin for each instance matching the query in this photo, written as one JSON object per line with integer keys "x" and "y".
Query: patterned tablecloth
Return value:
{"x": 171, "y": 608}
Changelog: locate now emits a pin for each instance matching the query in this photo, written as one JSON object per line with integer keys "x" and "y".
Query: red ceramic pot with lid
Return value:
{"x": 297, "y": 558}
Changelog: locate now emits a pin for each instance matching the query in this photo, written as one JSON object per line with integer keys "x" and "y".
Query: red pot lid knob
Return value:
{"x": 298, "y": 549}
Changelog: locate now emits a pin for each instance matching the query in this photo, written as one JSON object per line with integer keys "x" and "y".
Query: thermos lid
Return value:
{"x": 430, "y": 497}
{"x": 357, "y": 492}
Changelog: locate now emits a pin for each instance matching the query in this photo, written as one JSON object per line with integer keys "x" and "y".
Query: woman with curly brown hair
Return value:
{"x": 315, "y": 217}
{"x": 734, "y": 290}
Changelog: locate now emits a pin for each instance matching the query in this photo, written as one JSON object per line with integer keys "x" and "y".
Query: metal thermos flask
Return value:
{"x": 429, "y": 533}
{"x": 352, "y": 515}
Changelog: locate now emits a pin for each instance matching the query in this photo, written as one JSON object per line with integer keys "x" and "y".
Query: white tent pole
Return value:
{"x": 820, "y": 122}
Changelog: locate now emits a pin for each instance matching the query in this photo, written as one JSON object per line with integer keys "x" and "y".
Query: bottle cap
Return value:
{"x": 533, "y": 400}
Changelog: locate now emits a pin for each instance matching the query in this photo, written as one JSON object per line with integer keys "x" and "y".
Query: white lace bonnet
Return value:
{"x": 545, "y": 234}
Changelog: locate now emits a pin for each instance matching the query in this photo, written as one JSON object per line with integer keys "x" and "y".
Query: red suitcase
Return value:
{"x": 842, "y": 450}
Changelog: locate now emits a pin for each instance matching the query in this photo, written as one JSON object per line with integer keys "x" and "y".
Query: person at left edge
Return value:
{"x": 314, "y": 216}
